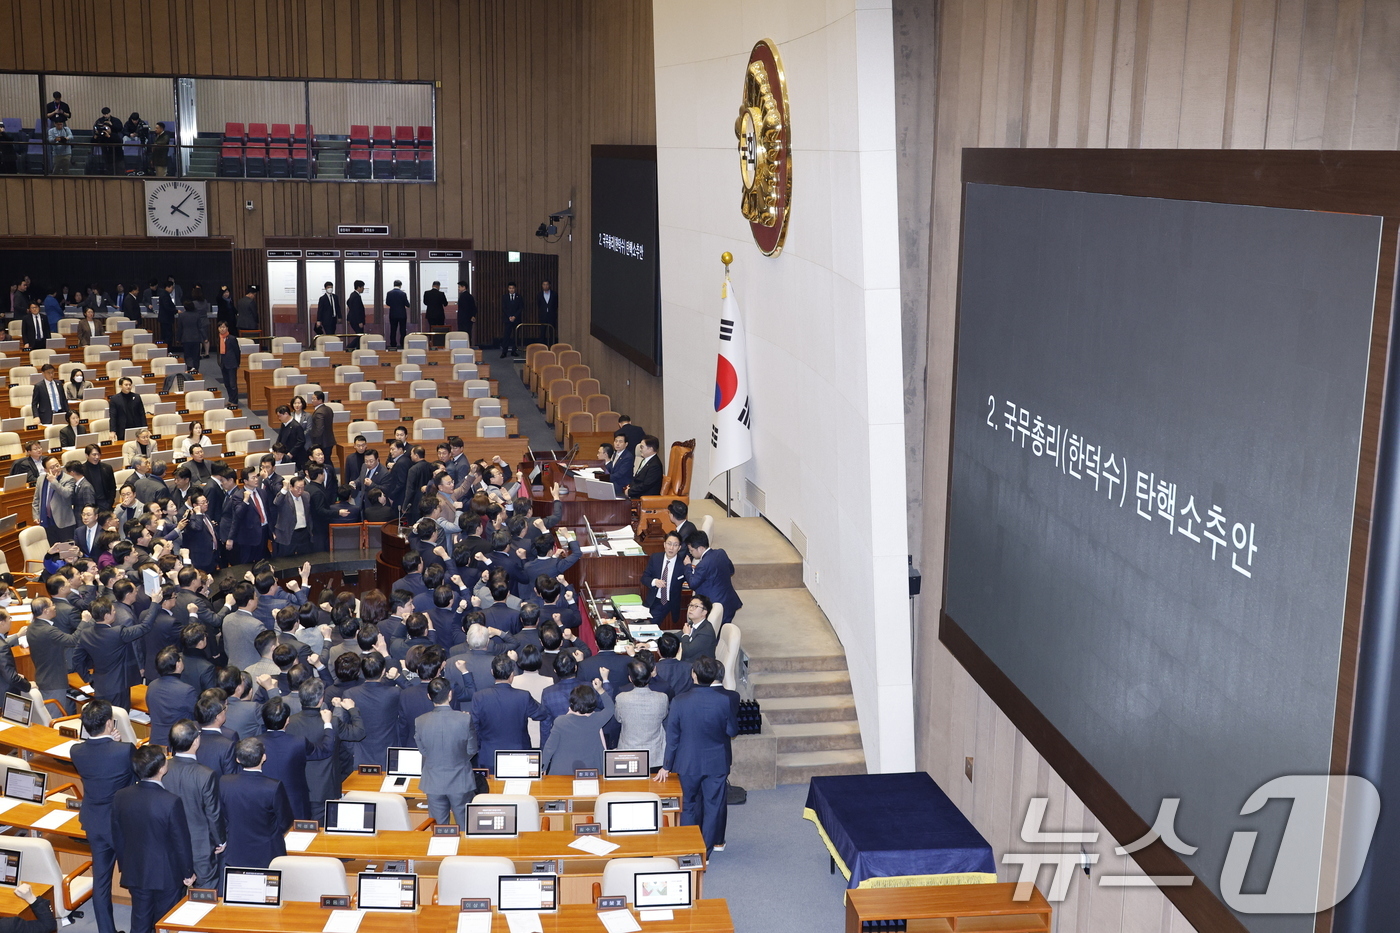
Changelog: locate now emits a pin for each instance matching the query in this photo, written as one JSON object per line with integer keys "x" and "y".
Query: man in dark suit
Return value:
{"x": 632, "y": 432}
{"x": 168, "y": 698}
{"x": 164, "y": 631}
{"x": 466, "y": 310}
{"x": 105, "y": 661}
{"x": 291, "y": 531}
{"x": 663, "y": 577}
{"x": 103, "y": 762}
{"x": 322, "y": 433}
{"x": 699, "y": 727}
{"x": 243, "y": 709}
{"x": 264, "y": 814}
{"x": 647, "y": 475}
{"x": 674, "y": 673}
{"x": 512, "y": 313}
{"x": 244, "y": 526}
{"x": 378, "y": 702}
{"x": 197, "y": 786}
{"x": 501, "y": 710}
{"x": 397, "y": 480}
{"x": 448, "y": 744}
{"x": 100, "y": 474}
{"x": 355, "y": 314}
{"x": 50, "y": 402}
{"x": 396, "y": 300}
{"x": 152, "y": 839}
{"x": 328, "y": 312}
{"x": 619, "y": 468}
{"x": 324, "y": 775}
{"x": 292, "y": 434}
{"x": 698, "y": 638}
{"x": 420, "y": 474}
{"x": 165, "y": 311}
{"x": 35, "y": 329}
{"x": 49, "y": 649}
{"x": 710, "y": 573}
{"x": 551, "y": 560}
{"x": 196, "y": 668}
{"x": 216, "y": 741}
{"x": 125, "y": 410}
{"x": 547, "y": 307}
{"x": 287, "y": 753}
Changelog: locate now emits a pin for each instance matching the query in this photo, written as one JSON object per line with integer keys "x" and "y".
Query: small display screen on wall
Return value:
{"x": 626, "y": 305}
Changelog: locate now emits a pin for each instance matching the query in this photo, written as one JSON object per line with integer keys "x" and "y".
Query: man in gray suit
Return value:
{"x": 198, "y": 788}
{"x": 448, "y": 743}
{"x": 241, "y": 626}
{"x": 53, "y": 502}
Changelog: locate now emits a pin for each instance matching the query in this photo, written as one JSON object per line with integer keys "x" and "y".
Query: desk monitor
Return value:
{"x": 252, "y": 887}
{"x": 626, "y": 764}
{"x": 661, "y": 889}
{"x": 405, "y": 761}
{"x": 350, "y": 816}
{"x": 133, "y": 433}
{"x": 387, "y": 891}
{"x": 260, "y": 445}
{"x": 490, "y": 819}
{"x": 17, "y": 708}
{"x": 633, "y": 816}
{"x": 236, "y": 424}
{"x": 523, "y": 763}
{"x": 16, "y": 481}
{"x": 9, "y": 867}
{"x": 25, "y": 785}
{"x": 373, "y": 435}
{"x": 82, "y": 440}
{"x": 286, "y": 469}
{"x": 12, "y": 424}
{"x": 7, "y": 523}
{"x": 527, "y": 892}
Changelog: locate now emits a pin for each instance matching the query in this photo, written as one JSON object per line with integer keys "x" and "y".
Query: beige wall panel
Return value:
{"x": 222, "y": 101}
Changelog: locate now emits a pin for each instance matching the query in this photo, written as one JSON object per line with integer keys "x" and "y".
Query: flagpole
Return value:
{"x": 727, "y": 257}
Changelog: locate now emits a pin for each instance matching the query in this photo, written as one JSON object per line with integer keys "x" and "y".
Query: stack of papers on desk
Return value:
{"x": 635, "y": 614}
{"x": 7, "y": 803}
{"x": 343, "y": 921}
{"x": 593, "y": 845}
{"x": 190, "y": 913}
{"x": 517, "y": 786}
{"x": 54, "y": 819}
{"x": 521, "y": 921}
{"x": 593, "y": 473}
{"x": 62, "y": 749}
{"x": 443, "y": 846}
{"x": 618, "y": 921}
{"x": 299, "y": 842}
{"x": 585, "y": 788}
{"x": 474, "y": 921}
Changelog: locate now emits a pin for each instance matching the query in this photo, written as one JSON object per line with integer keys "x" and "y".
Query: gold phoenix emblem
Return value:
{"x": 764, "y": 148}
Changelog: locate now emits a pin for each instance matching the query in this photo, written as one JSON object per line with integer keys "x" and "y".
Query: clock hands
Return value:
{"x": 175, "y": 209}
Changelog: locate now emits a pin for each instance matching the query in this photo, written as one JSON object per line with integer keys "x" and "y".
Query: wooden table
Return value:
{"x": 25, "y": 815}
{"x": 707, "y": 916}
{"x": 952, "y": 907}
{"x": 550, "y": 787}
{"x": 38, "y": 740}
{"x": 12, "y": 905}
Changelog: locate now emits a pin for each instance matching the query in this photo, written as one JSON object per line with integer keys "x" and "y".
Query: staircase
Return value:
{"x": 797, "y": 667}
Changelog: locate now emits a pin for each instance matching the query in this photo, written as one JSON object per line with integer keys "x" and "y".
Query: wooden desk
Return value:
{"x": 12, "y": 905}
{"x": 952, "y": 907}
{"x": 707, "y": 916}
{"x": 25, "y": 815}
{"x": 550, "y": 787}
{"x": 38, "y": 740}
{"x": 601, "y": 513}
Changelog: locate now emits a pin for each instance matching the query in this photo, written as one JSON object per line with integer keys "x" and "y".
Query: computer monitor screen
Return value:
{"x": 657, "y": 889}
{"x": 407, "y": 761}
{"x": 17, "y": 708}
{"x": 627, "y": 764}
{"x": 349, "y": 816}
{"x": 527, "y": 892}
{"x": 634, "y": 816}
{"x": 9, "y": 867}
{"x": 491, "y": 819}
{"x": 387, "y": 891}
{"x": 518, "y": 764}
{"x": 25, "y": 785}
{"x": 252, "y": 887}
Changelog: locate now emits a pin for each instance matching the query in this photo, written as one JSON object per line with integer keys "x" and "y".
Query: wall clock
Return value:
{"x": 176, "y": 208}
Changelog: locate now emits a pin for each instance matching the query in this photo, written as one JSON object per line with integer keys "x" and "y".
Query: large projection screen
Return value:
{"x": 1157, "y": 433}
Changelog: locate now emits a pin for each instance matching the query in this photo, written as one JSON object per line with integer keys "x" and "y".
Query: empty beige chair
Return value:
{"x": 596, "y": 404}
{"x": 358, "y": 390}
{"x": 101, "y": 427}
{"x": 428, "y": 429}
{"x": 237, "y": 440}
{"x": 727, "y": 653}
{"x": 360, "y": 427}
{"x": 457, "y": 339}
{"x": 68, "y": 326}
{"x": 439, "y": 408}
{"x": 417, "y": 356}
{"x": 422, "y": 388}
{"x": 577, "y": 372}
{"x": 707, "y": 525}
{"x": 544, "y": 376}
{"x": 569, "y": 358}
{"x": 199, "y": 399}
{"x": 619, "y": 874}
{"x": 390, "y": 811}
{"x": 165, "y": 365}
{"x": 474, "y": 876}
{"x": 527, "y": 809}
{"x": 563, "y": 408}
{"x": 167, "y": 425}
{"x": 462, "y": 355}
{"x": 40, "y": 357}
{"x": 557, "y": 388}
{"x": 21, "y": 395}
{"x": 363, "y": 357}
{"x": 476, "y": 388}
{"x": 606, "y": 421}
{"x": 16, "y": 329}
{"x": 92, "y": 355}
{"x": 323, "y": 340}
{"x": 282, "y": 374}
{"x": 307, "y": 877}
{"x": 542, "y": 359}
{"x": 19, "y": 375}
{"x": 464, "y": 371}
{"x": 145, "y": 351}
{"x": 347, "y": 374}
{"x": 214, "y": 418}
{"x": 134, "y": 335}
{"x": 561, "y": 347}
{"x": 416, "y": 342}
{"x": 407, "y": 372}
{"x": 373, "y": 342}
{"x": 313, "y": 359}
{"x": 281, "y": 345}
{"x": 51, "y": 435}
{"x": 248, "y": 346}
{"x": 490, "y": 427}
{"x": 75, "y": 455}
{"x": 114, "y": 368}
{"x": 251, "y": 460}
{"x": 117, "y": 323}
{"x": 258, "y": 360}
{"x": 10, "y": 445}
{"x": 33, "y": 545}
{"x": 580, "y": 422}
{"x": 376, "y": 409}
{"x": 92, "y": 407}
{"x": 489, "y": 407}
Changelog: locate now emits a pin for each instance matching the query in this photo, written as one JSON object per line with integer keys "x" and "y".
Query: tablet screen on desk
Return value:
{"x": 17, "y": 708}
{"x": 387, "y": 891}
{"x": 350, "y": 816}
{"x": 527, "y": 892}
{"x": 25, "y": 785}
{"x": 9, "y": 867}
{"x": 518, "y": 764}
{"x": 627, "y": 764}
{"x": 252, "y": 887}
{"x": 659, "y": 889}
{"x": 634, "y": 816}
{"x": 490, "y": 819}
{"x": 404, "y": 761}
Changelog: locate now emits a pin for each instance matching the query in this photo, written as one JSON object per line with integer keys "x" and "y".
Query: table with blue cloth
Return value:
{"x": 897, "y": 830}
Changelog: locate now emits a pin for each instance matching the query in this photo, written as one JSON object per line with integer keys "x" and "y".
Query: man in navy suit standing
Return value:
{"x": 216, "y": 741}
{"x": 103, "y": 761}
{"x": 663, "y": 577}
{"x": 287, "y": 753}
{"x": 262, "y": 812}
{"x": 152, "y": 839}
{"x": 500, "y": 712}
{"x": 699, "y": 727}
{"x": 102, "y": 655}
{"x": 710, "y": 573}
{"x": 168, "y": 698}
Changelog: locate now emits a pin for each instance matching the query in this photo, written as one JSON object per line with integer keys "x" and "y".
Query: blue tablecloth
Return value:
{"x": 897, "y": 825}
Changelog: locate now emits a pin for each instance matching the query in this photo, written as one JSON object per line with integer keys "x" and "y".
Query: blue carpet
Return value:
{"x": 522, "y": 403}
{"x": 774, "y": 870}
